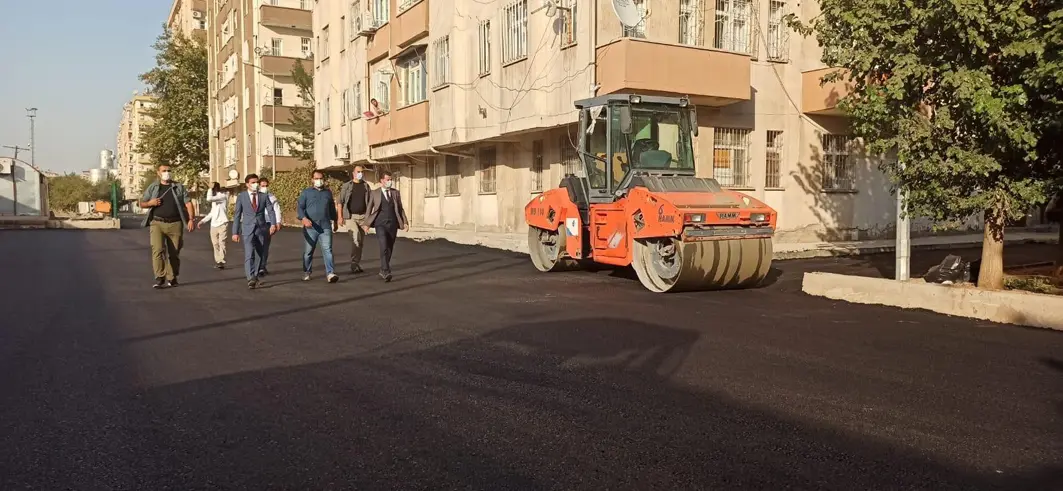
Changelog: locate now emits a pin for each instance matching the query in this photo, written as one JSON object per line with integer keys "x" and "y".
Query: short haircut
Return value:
{"x": 385, "y": 173}
{"x": 263, "y": 179}
{"x": 159, "y": 166}
{"x": 249, "y": 177}
{"x": 317, "y": 172}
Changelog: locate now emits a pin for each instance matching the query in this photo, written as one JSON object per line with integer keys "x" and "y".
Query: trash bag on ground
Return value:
{"x": 952, "y": 270}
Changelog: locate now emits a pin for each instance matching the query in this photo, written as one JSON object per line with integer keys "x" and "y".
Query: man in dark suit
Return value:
{"x": 386, "y": 214}
{"x": 253, "y": 221}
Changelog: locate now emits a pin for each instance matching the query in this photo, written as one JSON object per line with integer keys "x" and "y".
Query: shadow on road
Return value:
{"x": 576, "y": 404}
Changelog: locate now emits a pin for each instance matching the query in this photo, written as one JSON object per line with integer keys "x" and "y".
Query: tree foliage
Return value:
{"x": 302, "y": 118}
{"x": 287, "y": 186}
{"x": 178, "y": 136}
{"x": 65, "y": 192}
{"x": 963, "y": 93}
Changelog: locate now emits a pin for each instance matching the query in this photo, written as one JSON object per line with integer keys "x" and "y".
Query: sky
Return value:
{"x": 77, "y": 62}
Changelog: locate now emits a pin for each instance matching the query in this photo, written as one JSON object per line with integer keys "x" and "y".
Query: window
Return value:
{"x": 515, "y": 31}
{"x": 487, "y": 170}
{"x": 485, "y": 47}
{"x": 778, "y": 35}
{"x": 304, "y": 4}
{"x": 568, "y": 22}
{"x": 441, "y": 64}
{"x": 773, "y": 160}
{"x": 414, "y": 73}
{"x": 275, "y": 46}
{"x": 326, "y": 113}
{"x": 344, "y": 105}
{"x": 356, "y": 100}
{"x": 355, "y": 16}
{"x": 201, "y": 24}
{"x": 691, "y": 24}
{"x": 382, "y": 91}
{"x": 730, "y": 157}
{"x": 431, "y": 179}
{"x": 453, "y": 170}
{"x": 638, "y": 30}
{"x": 278, "y": 146}
{"x": 278, "y": 97}
{"x": 537, "y": 165}
{"x": 324, "y": 43}
{"x": 275, "y": 2}
{"x": 734, "y": 26}
{"x": 305, "y": 47}
{"x": 837, "y": 163}
{"x": 570, "y": 163}
{"x": 381, "y": 11}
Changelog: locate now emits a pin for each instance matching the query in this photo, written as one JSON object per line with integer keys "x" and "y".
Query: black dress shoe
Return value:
{"x": 218, "y": 265}
{"x": 356, "y": 269}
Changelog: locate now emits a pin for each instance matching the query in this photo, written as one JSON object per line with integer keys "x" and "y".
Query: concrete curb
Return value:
{"x": 1007, "y": 307}
{"x": 839, "y": 251}
{"x": 39, "y": 224}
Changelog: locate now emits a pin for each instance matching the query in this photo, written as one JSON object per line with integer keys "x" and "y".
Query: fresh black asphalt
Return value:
{"x": 473, "y": 371}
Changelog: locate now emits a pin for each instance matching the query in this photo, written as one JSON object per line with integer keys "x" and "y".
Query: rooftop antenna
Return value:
{"x": 627, "y": 12}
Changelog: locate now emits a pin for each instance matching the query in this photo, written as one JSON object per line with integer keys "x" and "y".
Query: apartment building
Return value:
{"x": 471, "y": 102}
{"x": 252, "y": 46}
{"x": 188, "y": 17}
{"x": 129, "y": 163}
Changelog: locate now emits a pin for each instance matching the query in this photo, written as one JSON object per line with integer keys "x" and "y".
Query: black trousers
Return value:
{"x": 385, "y": 236}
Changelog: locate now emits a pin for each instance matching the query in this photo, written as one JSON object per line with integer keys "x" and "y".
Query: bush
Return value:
{"x": 288, "y": 185}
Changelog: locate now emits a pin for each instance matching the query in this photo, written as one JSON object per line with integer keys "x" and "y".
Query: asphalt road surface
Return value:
{"x": 473, "y": 371}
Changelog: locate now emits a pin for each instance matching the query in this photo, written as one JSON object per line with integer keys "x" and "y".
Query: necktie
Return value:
{"x": 387, "y": 195}
{"x": 254, "y": 202}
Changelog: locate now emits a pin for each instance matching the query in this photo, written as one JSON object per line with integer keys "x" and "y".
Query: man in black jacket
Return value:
{"x": 352, "y": 206}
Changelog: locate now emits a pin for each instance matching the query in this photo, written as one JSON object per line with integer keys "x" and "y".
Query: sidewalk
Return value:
{"x": 786, "y": 250}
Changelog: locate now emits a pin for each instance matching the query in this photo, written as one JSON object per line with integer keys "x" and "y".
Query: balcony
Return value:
{"x": 400, "y": 124}
{"x": 822, "y": 100}
{"x": 282, "y": 65}
{"x": 709, "y": 77}
{"x": 277, "y": 114}
{"x": 286, "y": 17}
{"x": 283, "y": 163}
{"x": 408, "y": 26}
{"x": 377, "y": 45}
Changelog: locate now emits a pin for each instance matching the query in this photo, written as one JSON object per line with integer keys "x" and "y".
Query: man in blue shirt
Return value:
{"x": 317, "y": 211}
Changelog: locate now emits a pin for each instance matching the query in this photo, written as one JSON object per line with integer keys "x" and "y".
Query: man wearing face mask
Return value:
{"x": 317, "y": 211}
{"x": 387, "y": 216}
{"x": 253, "y": 221}
{"x": 169, "y": 215}
{"x": 263, "y": 186}
{"x": 354, "y": 200}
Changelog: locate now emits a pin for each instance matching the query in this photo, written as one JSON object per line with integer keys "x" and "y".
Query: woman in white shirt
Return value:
{"x": 219, "y": 220}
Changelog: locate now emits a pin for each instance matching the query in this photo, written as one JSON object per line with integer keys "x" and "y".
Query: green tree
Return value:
{"x": 147, "y": 177}
{"x": 288, "y": 185}
{"x": 65, "y": 192}
{"x": 960, "y": 93}
{"x": 179, "y": 132}
{"x": 302, "y": 119}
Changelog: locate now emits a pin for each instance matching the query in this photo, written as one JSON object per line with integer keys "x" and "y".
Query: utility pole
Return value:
{"x": 16, "y": 148}
{"x": 903, "y": 246}
{"x": 33, "y": 145}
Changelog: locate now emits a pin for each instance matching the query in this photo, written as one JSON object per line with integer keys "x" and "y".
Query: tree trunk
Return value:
{"x": 991, "y": 272}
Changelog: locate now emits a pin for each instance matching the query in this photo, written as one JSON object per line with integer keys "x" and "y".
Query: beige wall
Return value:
{"x": 129, "y": 162}
{"x": 257, "y": 121}
{"x": 188, "y": 17}
{"x": 736, "y": 81}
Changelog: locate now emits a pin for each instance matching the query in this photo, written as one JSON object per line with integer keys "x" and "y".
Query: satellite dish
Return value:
{"x": 551, "y": 7}
{"x": 626, "y": 11}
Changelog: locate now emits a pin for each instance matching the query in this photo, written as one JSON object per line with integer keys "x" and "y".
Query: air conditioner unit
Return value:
{"x": 7, "y": 166}
{"x": 342, "y": 151}
{"x": 369, "y": 24}
{"x": 197, "y": 14}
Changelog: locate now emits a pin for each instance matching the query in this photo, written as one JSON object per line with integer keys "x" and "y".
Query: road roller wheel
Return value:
{"x": 547, "y": 250}
{"x": 667, "y": 264}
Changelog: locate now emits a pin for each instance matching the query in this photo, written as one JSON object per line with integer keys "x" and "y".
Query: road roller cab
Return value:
{"x": 637, "y": 202}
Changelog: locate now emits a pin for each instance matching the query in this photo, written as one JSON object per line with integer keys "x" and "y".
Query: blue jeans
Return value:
{"x": 312, "y": 236}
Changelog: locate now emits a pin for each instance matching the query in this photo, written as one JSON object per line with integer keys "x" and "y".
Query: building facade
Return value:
{"x": 252, "y": 47}
{"x": 188, "y": 17}
{"x": 129, "y": 163}
{"x": 23, "y": 189}
{"x": 471, "y": 102}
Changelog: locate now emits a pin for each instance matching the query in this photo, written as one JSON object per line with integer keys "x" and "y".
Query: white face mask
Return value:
{"x": 264, "y": 189}
{"x": 166, "y": 176}
{"x": 254, "y": 186}
{"x": 387, "y": 184}
{"x": 318, "y": 183}
{"x": 358, "y": 175}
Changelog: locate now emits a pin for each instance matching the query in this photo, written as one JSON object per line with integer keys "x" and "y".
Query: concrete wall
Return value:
{"x": 23, "y": 192}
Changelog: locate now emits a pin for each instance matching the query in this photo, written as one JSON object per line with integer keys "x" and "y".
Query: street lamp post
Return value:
{"x": 32, "y": 114}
